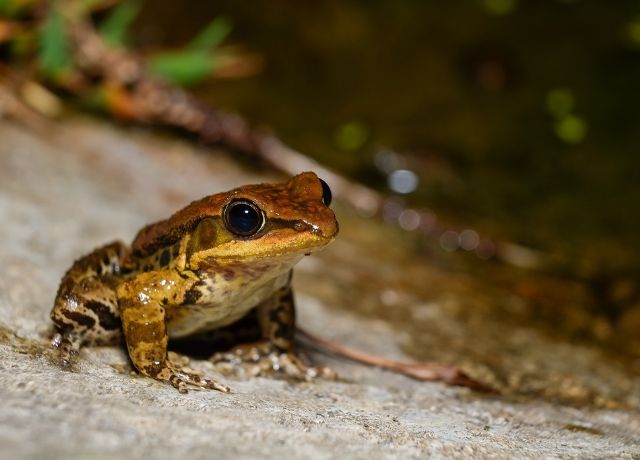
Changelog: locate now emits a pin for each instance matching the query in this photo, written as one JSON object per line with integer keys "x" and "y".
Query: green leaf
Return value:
{"x": 185, "y": 68}
{"x": 212, "y": 35}
{"x": 54, "y": 55}
{"x": 115, "y": 28}
{"x": 197, "y": 62}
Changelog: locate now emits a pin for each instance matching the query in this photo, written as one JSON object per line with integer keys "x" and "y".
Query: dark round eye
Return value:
{"x": 243, "y": 218}
{"x": 326, "y": 193}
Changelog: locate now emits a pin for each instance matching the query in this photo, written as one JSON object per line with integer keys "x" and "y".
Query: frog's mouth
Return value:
{"x": 280, "y": 226}
{"x": 281, "y": 238}
{"x": 282, "y": 244}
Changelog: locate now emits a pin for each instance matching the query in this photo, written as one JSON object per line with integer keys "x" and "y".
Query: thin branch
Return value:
{"x": 427, "y": 371}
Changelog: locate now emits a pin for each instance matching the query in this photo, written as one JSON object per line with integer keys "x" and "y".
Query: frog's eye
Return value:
{"x": 243, "y": 218}
{"x": 326, "y": 193}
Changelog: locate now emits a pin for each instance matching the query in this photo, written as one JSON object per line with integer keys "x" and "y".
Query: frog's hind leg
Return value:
{"x": 85, "y": 311}
{"x": 275, "y": 353}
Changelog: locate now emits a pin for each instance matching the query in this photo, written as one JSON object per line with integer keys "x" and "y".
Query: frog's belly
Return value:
{"x": 191, "y": 319}
{"x": 214, "y": 311}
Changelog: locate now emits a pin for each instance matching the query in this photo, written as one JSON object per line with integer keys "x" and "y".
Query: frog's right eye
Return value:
{"x": 243, "y": 218}
{"x": 326, "y": 193}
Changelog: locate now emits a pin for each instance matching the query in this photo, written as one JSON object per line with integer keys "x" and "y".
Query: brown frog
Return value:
{"x": 206, "y": 267}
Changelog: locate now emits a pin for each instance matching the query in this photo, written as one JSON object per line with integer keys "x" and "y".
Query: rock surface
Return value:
{"x": 81, "y": 183}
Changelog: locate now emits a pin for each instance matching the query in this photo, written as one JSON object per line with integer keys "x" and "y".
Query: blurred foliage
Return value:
{"x": 195, "y": 62}
{"x": 212, "y": 35}
{"x": 115, "y": 28}
{"x": 12, "y": 8}
{"x": 187, "y": 65}
{"x": 54, "y": 53}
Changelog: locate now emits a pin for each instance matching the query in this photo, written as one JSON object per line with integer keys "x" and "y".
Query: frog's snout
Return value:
{"x": 323, "y": 228}
{"x": 326, "y": 229}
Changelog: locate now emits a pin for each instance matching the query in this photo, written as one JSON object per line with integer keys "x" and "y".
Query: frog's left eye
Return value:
{"x": 326, "y": 193}
{"x": 243, "y": 218}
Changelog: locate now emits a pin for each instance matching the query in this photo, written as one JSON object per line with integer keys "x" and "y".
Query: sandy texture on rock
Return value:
{"x": 81, "y": 184}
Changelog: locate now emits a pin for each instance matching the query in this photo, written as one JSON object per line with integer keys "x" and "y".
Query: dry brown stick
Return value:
{"x": 145, "y": 98}
{"x": 142, "y": 97}
{"x": 426, "y": 371}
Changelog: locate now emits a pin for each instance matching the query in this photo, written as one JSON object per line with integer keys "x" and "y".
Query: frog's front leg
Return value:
{"x": 145, "y": 331}
{"x": 85, "y": 311}
{"x": 276, "y": 352}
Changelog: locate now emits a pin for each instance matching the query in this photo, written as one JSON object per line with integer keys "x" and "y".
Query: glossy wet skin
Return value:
{"x": 205, "y": 267}
{"x": 296, "y": 218}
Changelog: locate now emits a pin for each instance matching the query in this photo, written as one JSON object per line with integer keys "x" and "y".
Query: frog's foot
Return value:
{"x": 181, "y": 378}
{"x": 66, "y": 347}
{"x": 263, "y": 358}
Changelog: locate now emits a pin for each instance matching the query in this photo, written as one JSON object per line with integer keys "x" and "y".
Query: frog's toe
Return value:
{"x": 215, "y": 385}
{"x": 179, "y": 384}
{"x": 181, "y": 379}
{"x": 292, "y": 366}
{"x": 209, "y": 384}
{"x": 66, "y": 348}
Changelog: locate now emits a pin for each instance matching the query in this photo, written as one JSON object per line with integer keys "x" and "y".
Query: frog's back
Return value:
{"x": 154, "y": 237}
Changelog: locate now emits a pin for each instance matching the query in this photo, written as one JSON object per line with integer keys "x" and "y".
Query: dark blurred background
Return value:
{"x": 518, "y": 118}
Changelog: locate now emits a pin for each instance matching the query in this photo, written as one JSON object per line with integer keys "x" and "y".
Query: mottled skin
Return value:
{"x": 190, "y": 274}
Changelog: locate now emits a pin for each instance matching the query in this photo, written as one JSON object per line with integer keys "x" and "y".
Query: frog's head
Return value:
{"x": 275, "y": 219}
{"x": 251, "y": 222}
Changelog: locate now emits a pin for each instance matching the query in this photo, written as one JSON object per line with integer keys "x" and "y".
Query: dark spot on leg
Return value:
{"x": 284, "y": 331}
{"x": 191, "y": 297}
{"x": 106, "y": 317}
{"x": 274, "y": 315}
{"x": 153, "y": 369}
{"x": 80, "y": 318}
{"x": 165, "y": 258}
{"x": 227, "y": 273}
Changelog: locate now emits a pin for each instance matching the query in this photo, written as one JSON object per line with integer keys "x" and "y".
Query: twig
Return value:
{"x": 141, "y": 97}
{"x": 427, "y": 371}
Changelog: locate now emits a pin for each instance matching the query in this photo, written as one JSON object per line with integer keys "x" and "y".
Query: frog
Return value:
{"x": 214, "y": 263}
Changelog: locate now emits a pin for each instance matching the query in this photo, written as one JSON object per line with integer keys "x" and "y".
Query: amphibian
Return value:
{"x": 206, "y": 267}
